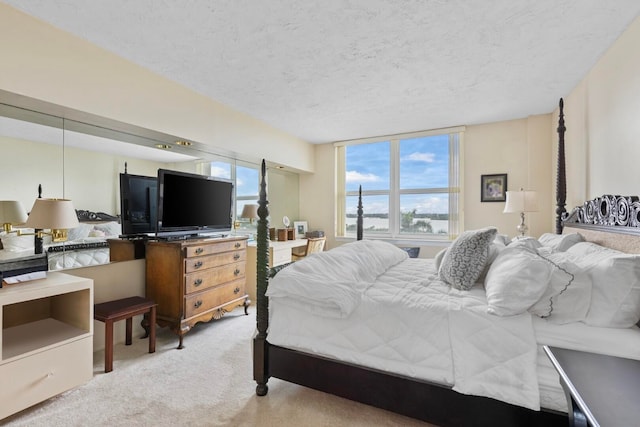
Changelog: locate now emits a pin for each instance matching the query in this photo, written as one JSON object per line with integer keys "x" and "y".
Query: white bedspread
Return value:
{"x": 404, "y": 321}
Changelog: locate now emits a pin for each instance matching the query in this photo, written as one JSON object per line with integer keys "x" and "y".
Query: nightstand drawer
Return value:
{"x": 32, "y": 379}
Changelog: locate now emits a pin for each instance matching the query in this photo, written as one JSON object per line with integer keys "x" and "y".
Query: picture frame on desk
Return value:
{"x": 300, "y": 228}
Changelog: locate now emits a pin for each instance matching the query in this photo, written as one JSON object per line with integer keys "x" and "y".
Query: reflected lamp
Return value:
{"x": 521, "y": 202}
{"x": 250, "y": 211}
{"x": 56, "y": 215}
{"x": 11, "y": 213}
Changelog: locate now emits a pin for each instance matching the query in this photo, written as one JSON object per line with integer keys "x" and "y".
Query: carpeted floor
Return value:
{"x": 208, "y": 383}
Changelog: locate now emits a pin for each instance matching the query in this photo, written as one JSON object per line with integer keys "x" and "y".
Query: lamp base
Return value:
{"x": 522, "y": 227}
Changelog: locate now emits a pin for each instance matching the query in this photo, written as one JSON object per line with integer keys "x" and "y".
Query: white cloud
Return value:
{"x": 353, "y": 176}
{"x": 220, "y": 172}
{"x": 425, "y": 204}
{"x": 421, "y": 157}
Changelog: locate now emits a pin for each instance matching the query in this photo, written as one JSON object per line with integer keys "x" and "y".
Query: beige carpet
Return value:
{"x": 208, "y": 383}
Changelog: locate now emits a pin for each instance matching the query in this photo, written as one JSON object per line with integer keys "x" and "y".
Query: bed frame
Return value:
{"x": 431, "y": 402}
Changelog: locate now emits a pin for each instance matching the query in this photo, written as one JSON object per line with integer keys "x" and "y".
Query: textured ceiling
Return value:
{"x": 343, "y": 69}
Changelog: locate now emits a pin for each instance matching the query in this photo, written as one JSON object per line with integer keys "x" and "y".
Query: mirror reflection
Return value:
{"x": 50, "y": 157}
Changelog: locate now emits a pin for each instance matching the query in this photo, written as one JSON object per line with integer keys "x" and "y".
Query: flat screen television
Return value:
{"x": 191, "y": 204}
{"x": 138, "y": 204}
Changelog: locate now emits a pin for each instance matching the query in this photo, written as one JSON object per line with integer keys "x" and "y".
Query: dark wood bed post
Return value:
{"x": 561, "y": 179}
{"x": 260, "y": 345}
{"x": 359, "y": 221}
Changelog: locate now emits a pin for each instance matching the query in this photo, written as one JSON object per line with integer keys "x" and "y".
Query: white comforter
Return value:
{"x": 368, "y": 304}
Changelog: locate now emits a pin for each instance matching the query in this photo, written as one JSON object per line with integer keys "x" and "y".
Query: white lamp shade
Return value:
{"x": 12, "y": 212}
{"x": 521, "y": 201}
{"x": 52, "y": 214}
{"x": 249, "y": 211}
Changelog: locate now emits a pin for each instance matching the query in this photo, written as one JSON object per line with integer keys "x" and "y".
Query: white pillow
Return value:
{"x": 502, "y": 238}
{"x": 111, "y": 228}
{"x": 568, "y": 296}
{"x": 527, "y": 242}
{"x": 14, "y": 243}
{"x": 516, "y": 280}
{"x": 494, "y": 250}
{"x": 560, "y": 242}
{"x": 438, "y": 258}
{"x": 464, "y": 261}
{"x": 615, "y": 298}
{"x": 79, "y": 232}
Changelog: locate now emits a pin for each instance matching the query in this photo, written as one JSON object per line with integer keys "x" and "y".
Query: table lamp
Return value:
{"x": 521, "y": 201}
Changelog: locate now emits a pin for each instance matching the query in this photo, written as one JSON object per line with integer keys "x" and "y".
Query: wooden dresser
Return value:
{"x": 196, "y": 280}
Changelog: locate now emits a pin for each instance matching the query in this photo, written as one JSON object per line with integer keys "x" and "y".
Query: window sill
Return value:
{"x": 402, "y": 242}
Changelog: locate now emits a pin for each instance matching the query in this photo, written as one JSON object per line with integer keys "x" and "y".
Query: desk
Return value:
{"x": 601, "y": 390}
{"x": 279, "y": 253}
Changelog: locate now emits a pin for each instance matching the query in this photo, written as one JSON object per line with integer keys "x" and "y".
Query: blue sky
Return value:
{"x": 424, "y": 163}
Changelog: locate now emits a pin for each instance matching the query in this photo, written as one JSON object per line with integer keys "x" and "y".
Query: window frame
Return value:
{"x": 456, "y": 137}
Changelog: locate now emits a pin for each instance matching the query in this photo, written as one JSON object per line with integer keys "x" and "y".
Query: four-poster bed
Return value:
{"x": 406, "y": 392}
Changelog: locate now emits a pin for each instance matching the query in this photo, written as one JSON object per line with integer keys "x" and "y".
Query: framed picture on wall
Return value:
{"x": 493, "y": 188}
{"x": 301, "y": 228}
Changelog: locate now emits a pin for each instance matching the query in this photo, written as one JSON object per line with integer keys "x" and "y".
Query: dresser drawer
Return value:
{"x": 214, "y": 297}
{"x": 210, "y": 261}
{"x": 201, "y": 280}
{"x": 32, "y": 379}
{"x": 214, "y": 248}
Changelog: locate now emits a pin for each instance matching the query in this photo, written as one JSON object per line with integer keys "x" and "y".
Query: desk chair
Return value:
{"x": 313, "y": 245}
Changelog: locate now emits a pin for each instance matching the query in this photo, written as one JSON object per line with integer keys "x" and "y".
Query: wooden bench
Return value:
{"x": 125, "y": 308}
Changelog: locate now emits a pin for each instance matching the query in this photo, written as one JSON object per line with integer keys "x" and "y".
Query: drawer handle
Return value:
{"x": 197, "y": 304}
{"x": 237, "y": 245}
{"x": 197, "y": 264}
{"x": 236, "y": 290}
{"x": 236, "y": 257}
{"x": 197, "y": 282}
{"x": 236, "y": 272}
{"x": 199, "y": 251}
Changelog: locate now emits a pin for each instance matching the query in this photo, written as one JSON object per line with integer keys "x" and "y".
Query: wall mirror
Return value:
{"x": 81, "y": 161}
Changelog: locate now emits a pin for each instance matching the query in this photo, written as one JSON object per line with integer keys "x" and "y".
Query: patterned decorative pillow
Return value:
{"x": 465, "y": 260}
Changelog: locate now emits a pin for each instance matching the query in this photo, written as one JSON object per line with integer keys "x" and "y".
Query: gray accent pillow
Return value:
{"x": 463, "y": 263}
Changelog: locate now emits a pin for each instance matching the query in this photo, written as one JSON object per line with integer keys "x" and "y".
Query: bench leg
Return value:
{"x": 152, "y": 330}
{"x": 108, "y": 346}
{"x": 129, "y": 330}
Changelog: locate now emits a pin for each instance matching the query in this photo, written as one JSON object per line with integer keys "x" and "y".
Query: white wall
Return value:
{"x": 42, "y": 62}
{"x": 522, "y": 150}
{"x": 110, "y": 282}
{"x": 603, "y": 124}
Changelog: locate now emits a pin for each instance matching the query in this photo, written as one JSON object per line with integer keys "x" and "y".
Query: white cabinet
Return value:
{"x": 46, "y": 344}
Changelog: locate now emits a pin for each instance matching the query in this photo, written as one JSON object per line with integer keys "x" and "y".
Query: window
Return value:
{"x": 246, "y": 186}
{"x": 410, "y": 185}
